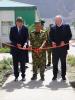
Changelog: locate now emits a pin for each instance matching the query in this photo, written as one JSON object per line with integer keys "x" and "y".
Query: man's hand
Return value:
{"x": 40, "y": 49}
{"x": 54, "y": 44}
{"x": 62, "y": 43}
{"x": 25, "y": 45}
{"x": 19, "y": 45}
{"x": 37, "y": 51}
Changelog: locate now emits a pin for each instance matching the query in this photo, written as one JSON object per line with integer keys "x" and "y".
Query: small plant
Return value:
{"x": 71, "y": 60}
{"x": 6, "y": 63}
{"x": 5, "y": 69}
{"x": 4, "y": 50}
{"x": 71, "y": 70}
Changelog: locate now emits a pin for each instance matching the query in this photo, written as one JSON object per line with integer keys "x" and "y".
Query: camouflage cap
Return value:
{"x": 42, "y": 21}
{"x": 37, "y": 21}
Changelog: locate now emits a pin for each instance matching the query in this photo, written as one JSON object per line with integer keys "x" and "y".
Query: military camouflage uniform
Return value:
{"x": 49, "y": 50}
{"x": 49, "y": 56}
{"x": 36, "y": 40}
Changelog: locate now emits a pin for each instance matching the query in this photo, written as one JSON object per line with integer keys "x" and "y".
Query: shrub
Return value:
{"x": 71, "y": 60}
{"x": 5, "y": 70}
{"x": 5, "y": 64}
{"x": 4, "y": 50}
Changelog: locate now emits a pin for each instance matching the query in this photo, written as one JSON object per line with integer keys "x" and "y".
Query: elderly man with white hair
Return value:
{"x": 60, "y": 34}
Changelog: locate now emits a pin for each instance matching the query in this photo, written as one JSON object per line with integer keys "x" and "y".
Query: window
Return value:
{"x": 5, "y": 27}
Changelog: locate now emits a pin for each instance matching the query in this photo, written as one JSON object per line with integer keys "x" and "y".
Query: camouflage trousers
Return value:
{"x": 39, "y": 61}
{"x": 49, "y": 51}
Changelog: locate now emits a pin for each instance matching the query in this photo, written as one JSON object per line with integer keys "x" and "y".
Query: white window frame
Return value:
{"x": 8, "y": 25}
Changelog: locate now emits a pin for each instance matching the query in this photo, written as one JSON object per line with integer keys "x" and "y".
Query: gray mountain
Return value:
{"x": 49, "y": 8}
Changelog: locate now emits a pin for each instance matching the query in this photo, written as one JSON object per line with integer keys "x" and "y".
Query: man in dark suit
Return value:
{"x": 19, "y": 38}
{"x": 60, "y": 34}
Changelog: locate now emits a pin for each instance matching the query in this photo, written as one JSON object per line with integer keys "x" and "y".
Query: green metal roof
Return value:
{"x": 7, "y": 3}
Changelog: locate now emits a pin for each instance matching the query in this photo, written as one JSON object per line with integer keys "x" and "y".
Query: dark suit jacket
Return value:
{"x": 20, "y": 38}
{"x": 62, "y": 33}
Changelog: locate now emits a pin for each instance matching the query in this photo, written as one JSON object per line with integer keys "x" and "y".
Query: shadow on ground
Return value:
{"x": 47, "y": 84}
{"x": 53, "y": 85}
{"x": 11, "y": 86}
{"x": 56, "y": 85}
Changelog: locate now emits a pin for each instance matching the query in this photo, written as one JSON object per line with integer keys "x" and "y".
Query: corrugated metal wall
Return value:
{"x": 28, "y": 14}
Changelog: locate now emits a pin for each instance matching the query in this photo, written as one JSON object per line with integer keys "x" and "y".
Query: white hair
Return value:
{"x": 59, "y": 16}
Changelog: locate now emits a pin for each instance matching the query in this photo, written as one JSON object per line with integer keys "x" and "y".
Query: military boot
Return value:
{"x": 34, "y": 77}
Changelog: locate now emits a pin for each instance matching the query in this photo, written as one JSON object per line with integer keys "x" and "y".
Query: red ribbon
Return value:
{"x": 36, "y": 50}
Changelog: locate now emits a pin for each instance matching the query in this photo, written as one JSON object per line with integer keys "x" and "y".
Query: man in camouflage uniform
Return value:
{"x": 37, "y": 39}
{"x": 49, "y": 51}
{"x": 48, "y": 42}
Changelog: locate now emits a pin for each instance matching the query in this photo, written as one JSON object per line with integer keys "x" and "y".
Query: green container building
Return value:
{"x": 9, "y": 11}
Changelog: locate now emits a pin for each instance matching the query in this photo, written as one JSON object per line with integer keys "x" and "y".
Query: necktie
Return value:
{"x": 19, "y": 30}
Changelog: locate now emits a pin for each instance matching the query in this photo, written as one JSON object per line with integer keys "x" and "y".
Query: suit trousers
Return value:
{"x": 19, "y": 59}
{"x": 59, "y": 53}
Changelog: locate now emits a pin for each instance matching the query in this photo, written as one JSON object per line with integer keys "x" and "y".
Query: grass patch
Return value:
{"x": 4, "y": 50}
{"x": 71, "y": 60}
{"x": 5, "y": 70}
{"x": 71, "y": 69}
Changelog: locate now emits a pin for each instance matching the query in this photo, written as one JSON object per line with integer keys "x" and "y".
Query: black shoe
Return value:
{"x": 34, "y": 78}
{"x": 54, "y": 78}
{"x": 26, "y": 67}
{"x": 48, "y": 64}
{"x": 16, "y": 79}
{"x": 64, "y": 78}
{"x": 42, "y": 79}
{"x": 23, "y": 79}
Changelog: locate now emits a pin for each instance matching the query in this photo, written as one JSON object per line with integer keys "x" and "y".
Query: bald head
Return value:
{"x": 58, "y": 20}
